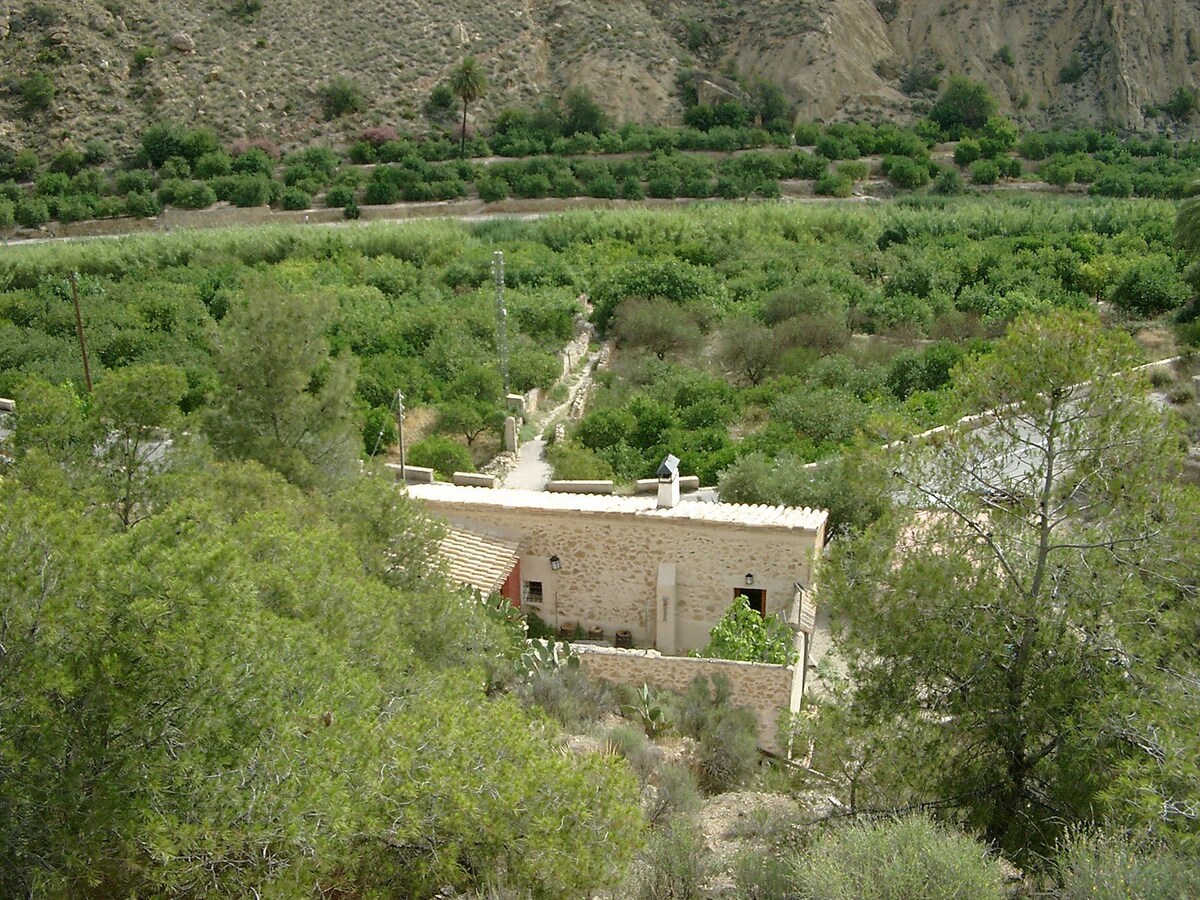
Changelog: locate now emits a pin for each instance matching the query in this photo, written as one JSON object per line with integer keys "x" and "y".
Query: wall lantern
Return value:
{"x": 749, "y": 578}
{"x": 555, "y": 563}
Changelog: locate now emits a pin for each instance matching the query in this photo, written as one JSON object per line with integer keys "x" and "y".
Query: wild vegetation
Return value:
{"x": 559, "y": 149}
{"x": 231, "y": 665}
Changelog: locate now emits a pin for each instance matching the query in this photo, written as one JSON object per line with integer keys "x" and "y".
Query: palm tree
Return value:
{"x": 469, "y": 83}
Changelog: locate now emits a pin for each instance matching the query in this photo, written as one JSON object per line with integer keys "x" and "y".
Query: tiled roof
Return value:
{"x": 480, "y": 560}
{"x": 754, "y": 516}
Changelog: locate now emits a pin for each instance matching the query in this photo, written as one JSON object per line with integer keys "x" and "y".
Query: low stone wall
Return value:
{"x": 412, "y": 474}
{"x": 574, "y": 353}
{"x": 767, "y": 690}
{"x": 687, "y": 483}
{"x": 474, "y": 479}
{"x": 581, "y": 487}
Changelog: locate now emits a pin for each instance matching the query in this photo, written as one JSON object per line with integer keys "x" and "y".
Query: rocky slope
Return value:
{"x": 251, "y": 67}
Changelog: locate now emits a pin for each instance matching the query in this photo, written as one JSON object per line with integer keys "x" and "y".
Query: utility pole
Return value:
{"x": 87, "y": 370}
{"x": 400, "y": 428}
{"x": 501, "y": 316}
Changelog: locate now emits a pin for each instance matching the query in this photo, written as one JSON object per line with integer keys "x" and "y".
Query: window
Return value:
{"x": 531, "y": 595}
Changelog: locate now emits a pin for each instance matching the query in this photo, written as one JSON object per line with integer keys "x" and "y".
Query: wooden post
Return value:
{"x": 87, "y": 371}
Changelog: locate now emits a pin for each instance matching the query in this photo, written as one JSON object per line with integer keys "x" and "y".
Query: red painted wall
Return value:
{"x": 511, "y": 589}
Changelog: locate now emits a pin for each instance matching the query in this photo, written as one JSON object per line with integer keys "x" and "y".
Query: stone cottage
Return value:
{"x": 653, "y": 573}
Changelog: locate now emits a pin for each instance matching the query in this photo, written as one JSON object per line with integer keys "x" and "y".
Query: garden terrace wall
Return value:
{"x": 767, "y": 690}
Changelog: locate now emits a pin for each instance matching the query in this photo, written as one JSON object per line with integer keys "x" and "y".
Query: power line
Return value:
{"x": 501, "y": 316}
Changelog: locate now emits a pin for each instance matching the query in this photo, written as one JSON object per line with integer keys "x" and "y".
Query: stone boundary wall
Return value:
{"x": 412, "y": 474}
{"x": 765, "y": 689}
{"x": 474, "y": 479}
{"x": 581, "y": 487}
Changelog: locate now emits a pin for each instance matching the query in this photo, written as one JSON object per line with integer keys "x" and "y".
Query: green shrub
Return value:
{"x": 133, "y": 180}
{"x": 854, "y": 170}
{"x": 631, "y": 189}
{"x": 676, "y": 864}
{"x": 198, "y": 142}
{"x": 903, "y": 858}
{"x": 7, "y": 213}
{"x": 142, "y": 204}
{"x": 985, "y": 171}
{"x": 107, "y": 207}
{"x": 339, "y": 196}
{"x": 832, "y": 147}
{"x": 214, "y": 165}
{"x": 1072, "y": 71}
{"x": 568, "y": 696}
{"x": 254, "y": 161}
{"x": 161, "y": 141}
{"x": 32, "y": 212}
{"x": 907, "y": 173}
{"x": 967, "y": 152}
{"x": 52, "y": 184}
{"x": 573, "y": 462}
{"x": 294, "y": 198}
{"x": 442, "y": 455}
{"x": 726, "y": 735}
{"x": 68, "y": 161}
{"x": 74, "y": 209}
{"x": 1182, "y": 103}
{"x": 89, "y": 181}
{"x": 142, "y": 57}
{"x": 763, "y": 875}
{"x": 250, "y": 190}
{"x": 806, "y": 134}
{"x": 492, "y": 189}
{"x": 24, "y": 165}
{"x": 1149, "y": 287}
{"x": 175, "y": 167}
{"x": 805, "y": 165}
{"x": 949, "y": 182}
{"x": 1112, "y": 184}
{"x": 417, "y": 192}
{"x": 187, "y": 194}
{"x": 341, "y": 96}
{"x": 676, "y": 795}
{"x": 631, "y": 743}
{"x": 1033, "y": 146}
{"x": 36, "y": 92}
{"x": 245, "y": 10}
{"x": 832, "y": 184}
{"x": 351, "y": 211}
{"x": 1107, "y": 868}
{"x": 964, "y": 105}
{"x": 381, "y": 191}
{"x": 379, "y": 430}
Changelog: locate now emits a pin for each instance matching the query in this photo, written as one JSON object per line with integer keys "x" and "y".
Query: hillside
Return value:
{"x": 254, "y": 67}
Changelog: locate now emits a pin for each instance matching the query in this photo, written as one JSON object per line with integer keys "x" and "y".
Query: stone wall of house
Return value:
{"x": 765, "y": 689}
{"x": 666, "y": 580}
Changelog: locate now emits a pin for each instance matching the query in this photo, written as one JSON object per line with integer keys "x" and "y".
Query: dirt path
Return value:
{"x": 532, "y": 472}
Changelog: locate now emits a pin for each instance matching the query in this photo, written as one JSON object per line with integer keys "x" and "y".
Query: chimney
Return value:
{"x": 668, "y": 483}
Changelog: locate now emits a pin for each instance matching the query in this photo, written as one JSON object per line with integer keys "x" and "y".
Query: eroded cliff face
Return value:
{"x": 1048, "y": 62}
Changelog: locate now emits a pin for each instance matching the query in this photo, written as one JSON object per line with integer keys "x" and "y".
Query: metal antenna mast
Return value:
{"x": 501, "y": 316}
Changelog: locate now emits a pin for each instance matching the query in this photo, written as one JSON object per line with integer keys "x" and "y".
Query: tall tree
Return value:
{"x": 1006, "y": 635}
{"x": 283, "y": 399}
{"x": 468, "y": 82}
{"x": 134, "y": 410}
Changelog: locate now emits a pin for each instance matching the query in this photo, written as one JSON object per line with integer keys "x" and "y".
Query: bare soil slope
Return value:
{"x": 253, "y": 67}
